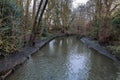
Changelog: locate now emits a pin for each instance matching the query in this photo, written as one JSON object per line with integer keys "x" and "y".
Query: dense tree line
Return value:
{"x": 17, "y": 23}
{"x": 22, "y": 22}
{"x": 100, "y": 13}
{"x": 100, "y": 20}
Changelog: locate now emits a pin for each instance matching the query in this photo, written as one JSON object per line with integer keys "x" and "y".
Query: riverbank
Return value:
{"x": 96, "y": 46}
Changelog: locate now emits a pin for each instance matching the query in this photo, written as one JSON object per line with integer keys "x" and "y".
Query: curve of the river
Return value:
{"x": 66, "y": 58}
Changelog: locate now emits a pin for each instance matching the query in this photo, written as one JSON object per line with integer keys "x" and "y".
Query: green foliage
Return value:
{"x": 118, "y": 49}
{"x": 114, "y": 49}
{"x": 7, "y": 46}
{"x": 10, "y": 22}
{"x": 116, "y": 21}
{"x": 94, "y": 33}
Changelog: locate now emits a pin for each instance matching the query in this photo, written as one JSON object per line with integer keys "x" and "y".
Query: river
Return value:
{"x": 66, "y": 58}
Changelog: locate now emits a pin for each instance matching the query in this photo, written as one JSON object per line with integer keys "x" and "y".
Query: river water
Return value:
{"x": 66, "y": 58}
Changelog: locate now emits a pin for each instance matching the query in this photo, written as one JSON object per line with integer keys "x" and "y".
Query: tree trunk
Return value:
{"x": 35, "y": 25}
{"x": 26, "y": 21}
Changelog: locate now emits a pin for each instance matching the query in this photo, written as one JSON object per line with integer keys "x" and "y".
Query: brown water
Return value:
{"x": 67, "y": 58}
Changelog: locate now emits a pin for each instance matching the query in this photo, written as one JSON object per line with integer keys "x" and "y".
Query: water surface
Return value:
{"x": 66, "y": 58}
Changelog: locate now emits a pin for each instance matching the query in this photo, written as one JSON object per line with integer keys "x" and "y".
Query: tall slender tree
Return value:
{"x": 37, "y": 22}
{"x": 26, "y": 20}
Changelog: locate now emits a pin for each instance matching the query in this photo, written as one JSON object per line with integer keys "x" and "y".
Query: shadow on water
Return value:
{"x": 66, "y": 58}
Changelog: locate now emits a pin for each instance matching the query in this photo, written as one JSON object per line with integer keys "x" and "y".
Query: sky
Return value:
{"x": 77, "y": 2}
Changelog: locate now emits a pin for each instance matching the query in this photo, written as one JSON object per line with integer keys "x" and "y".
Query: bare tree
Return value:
{"x": 37, "y": 23}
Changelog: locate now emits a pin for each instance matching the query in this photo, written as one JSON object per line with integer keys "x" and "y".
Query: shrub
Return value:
{"x": 10, "y": 22}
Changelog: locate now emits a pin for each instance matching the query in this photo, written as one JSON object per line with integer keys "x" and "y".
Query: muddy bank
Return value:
{"x": 8, "y": 64}
{"x": 94, "y": 45}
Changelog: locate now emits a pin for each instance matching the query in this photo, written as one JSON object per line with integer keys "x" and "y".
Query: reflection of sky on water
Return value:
{"x": 78, "y": 65}
{"x": 60, "y": 43}
{"x": 51, "y": 46}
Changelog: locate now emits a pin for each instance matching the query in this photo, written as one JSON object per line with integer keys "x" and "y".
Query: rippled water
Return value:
{"x": 66, "y": 58}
